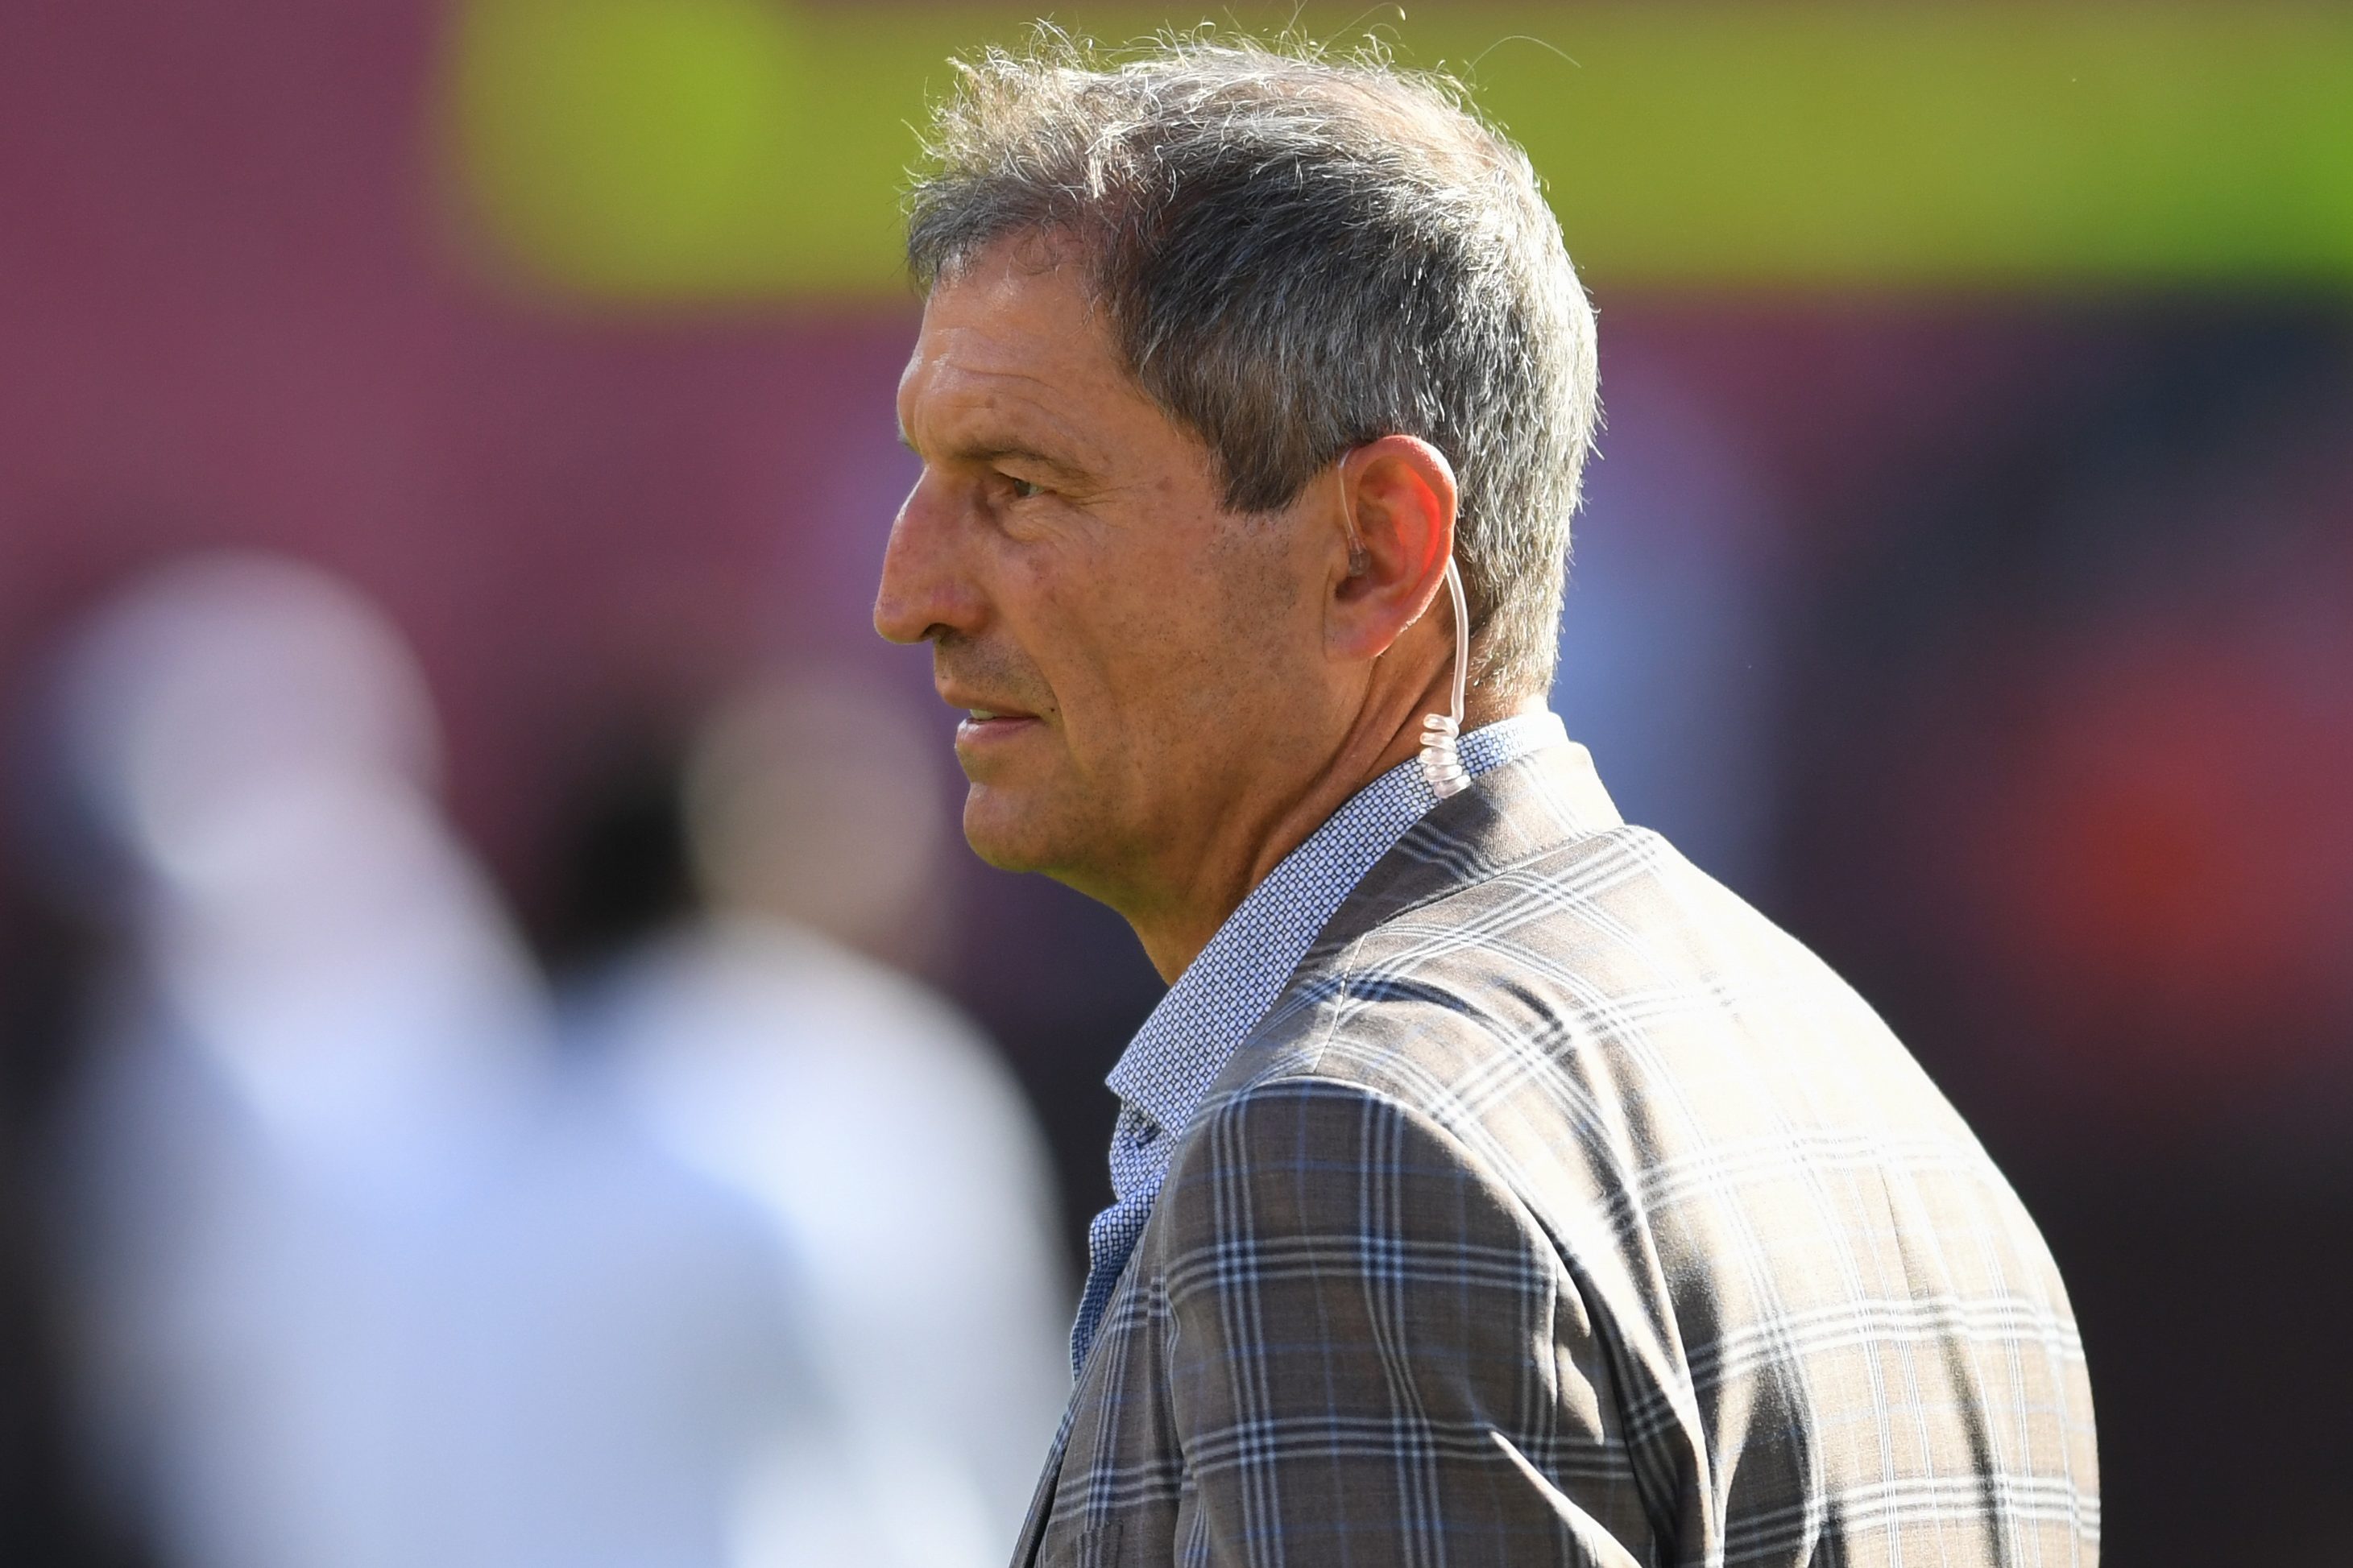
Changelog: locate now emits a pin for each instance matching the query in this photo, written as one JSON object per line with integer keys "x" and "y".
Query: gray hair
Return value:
{"x": 1296, "y": 254}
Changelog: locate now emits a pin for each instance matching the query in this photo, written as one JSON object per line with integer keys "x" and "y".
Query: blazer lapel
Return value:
{"x": 1041, "y": 1503}
{"x": 1509, "y": 814}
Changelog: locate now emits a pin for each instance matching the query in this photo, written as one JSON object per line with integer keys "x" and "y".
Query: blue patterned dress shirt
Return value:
{"x": 1224, "y": 992}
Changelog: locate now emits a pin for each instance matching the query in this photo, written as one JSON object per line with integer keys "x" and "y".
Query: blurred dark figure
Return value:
{"x": 357, "y": 1277}
{"x": 760, "y": 1042}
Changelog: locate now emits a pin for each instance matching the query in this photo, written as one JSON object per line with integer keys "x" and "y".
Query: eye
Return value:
{"x": 1023, "y": 489}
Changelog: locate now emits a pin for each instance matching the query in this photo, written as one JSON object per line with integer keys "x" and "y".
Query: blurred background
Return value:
{"x": 499, "y": 1040}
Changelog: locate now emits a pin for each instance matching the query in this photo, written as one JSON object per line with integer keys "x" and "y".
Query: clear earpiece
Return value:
{"x": 1442, "y": 733}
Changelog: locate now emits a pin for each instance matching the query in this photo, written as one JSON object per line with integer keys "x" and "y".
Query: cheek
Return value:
{"x": 1166, "y": 650}
{"x": 1152, "y": 653}
{"x": 1107, "y": 632}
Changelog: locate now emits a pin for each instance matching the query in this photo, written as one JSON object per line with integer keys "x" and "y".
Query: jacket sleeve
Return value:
{"x": 1376, "y": 1356}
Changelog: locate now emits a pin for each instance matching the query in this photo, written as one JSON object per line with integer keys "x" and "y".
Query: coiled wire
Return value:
{"x": 1442, "y": 733}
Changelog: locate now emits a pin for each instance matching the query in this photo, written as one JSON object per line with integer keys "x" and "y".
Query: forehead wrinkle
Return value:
{"x": 1023, "y": 332}
{"x": 979, "y": 414}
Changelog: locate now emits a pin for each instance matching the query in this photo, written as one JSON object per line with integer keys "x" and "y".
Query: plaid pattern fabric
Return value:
{"x": 1564, "y": 1210}
{"x": 1224, "y": 992}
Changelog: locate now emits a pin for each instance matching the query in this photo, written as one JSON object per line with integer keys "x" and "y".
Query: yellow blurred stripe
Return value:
{"x": 714, "y": 151}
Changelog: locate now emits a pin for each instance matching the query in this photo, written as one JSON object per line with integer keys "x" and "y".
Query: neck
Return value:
{"x": 1174, "y": 928}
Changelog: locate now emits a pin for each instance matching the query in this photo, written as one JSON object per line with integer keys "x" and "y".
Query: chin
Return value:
{"x": 1009, "y": 830}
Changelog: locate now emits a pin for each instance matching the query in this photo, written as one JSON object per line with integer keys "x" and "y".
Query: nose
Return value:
{"x": 926, "y": 587}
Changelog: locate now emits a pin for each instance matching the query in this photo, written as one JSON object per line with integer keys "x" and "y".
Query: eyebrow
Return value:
{"x": 996, "y": 452}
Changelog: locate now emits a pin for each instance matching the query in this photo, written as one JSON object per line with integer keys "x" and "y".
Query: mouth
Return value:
{"x": 981, "y": 724}
{"x": 984, "y": 726}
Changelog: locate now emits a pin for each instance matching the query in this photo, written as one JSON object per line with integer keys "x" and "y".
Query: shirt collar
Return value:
{"x": 1228, "y": 989}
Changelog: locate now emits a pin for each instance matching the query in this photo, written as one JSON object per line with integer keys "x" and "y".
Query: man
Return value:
{"x": 1493, "y": 1186}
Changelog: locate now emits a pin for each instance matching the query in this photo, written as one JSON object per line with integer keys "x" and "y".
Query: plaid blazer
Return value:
{"x": 1565, "y": 1211}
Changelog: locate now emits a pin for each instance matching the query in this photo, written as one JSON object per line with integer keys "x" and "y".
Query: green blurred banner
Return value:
{"x": 682, "y": 152}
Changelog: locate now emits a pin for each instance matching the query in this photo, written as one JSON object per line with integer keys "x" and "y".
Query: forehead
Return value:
{"x": 1008, "y": 340}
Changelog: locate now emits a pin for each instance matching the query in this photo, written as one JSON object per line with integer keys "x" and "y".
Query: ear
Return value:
{"x": 1397, "y": 522}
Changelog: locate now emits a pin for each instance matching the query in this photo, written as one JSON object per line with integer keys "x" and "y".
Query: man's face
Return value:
{"x": 1137, "y": 662}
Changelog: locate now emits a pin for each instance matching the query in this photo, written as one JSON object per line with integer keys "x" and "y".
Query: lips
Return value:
{"x": 995, "y": 719}
{"x": 982, "y": 706}
{"x": 987, "y": 723}
{"x": 985, "y": 733}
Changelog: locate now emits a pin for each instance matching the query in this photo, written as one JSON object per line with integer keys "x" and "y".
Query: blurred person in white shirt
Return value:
{"x": 360, "y": 1280}
{"x": 875, "y": 1122}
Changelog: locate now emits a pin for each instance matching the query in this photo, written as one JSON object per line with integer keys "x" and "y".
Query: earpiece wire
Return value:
{"x": 1441, "y": 758}
{"x": 1462, "y": 638}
